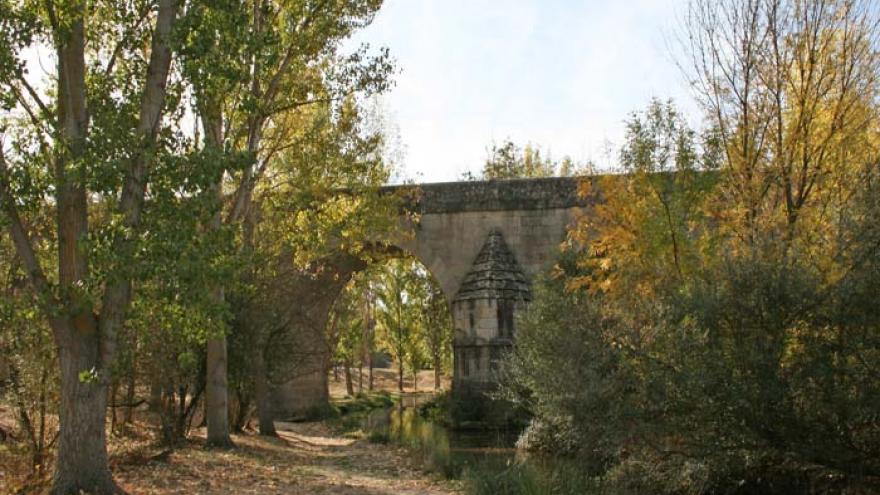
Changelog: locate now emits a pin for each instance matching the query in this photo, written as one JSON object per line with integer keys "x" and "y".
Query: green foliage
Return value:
{"x": 575, "y": 405}
{"x": 510, "y": 161}
{"x": 400, "y": 292}
{"x": 438, "y": 334}
{"x": 436, "y": 410}
{"x": 351, "y": 320}
{"x": 409, "y": 311}
{"x": 364, "y": 402}
{"x": 28, "y": 381}
{"x": 414, "y": 322}
{"x": 531, "y": 478}
{"x": 666, "y": 354}
{"x": 380, "y": 437}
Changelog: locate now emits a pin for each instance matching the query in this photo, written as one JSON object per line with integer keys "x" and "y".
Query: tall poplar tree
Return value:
{"x": 277, "y": 57}
{"x": 84, "y": 145}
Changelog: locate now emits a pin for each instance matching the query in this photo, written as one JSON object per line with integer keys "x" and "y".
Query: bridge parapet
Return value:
{"x": 492, "y": 195}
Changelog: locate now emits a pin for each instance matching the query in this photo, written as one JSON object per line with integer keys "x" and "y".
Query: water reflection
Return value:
{"x": 444, "y": 450}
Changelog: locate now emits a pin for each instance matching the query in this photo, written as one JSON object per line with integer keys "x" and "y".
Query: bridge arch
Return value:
{"x": 448, "y": 226}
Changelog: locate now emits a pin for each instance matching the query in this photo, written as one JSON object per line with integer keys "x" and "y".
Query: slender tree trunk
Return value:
{"x": 167, "y": 414}
{"x": 129, "y": 396}
{"x": 361, "y": 378}
{"x": 400, "y": 376}
{"x": 40, "y": 449}
{"x": 217, "y": 394}
{"x": 242, "y": 410}
{"x": 216, "y": 385}
{"x": 155, "y": 402}
{"x": 415, "y": 379}
{"x": 234, "y": 414}
{"x": 370, "y": 329}
{"x": 114, "y": 401}
{"x": 349, "y": 385}
{"x": 261, "y": 393}
{"x": 436, "y": 371}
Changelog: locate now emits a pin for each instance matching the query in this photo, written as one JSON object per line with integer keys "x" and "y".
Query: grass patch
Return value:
{"x": 365, "y": 402}
{"x": 526, "y": 478}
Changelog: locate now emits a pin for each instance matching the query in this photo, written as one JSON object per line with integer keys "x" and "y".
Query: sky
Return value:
{"x": 560, "y": 74}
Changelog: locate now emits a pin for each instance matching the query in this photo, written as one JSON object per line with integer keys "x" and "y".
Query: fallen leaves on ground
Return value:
{"x": 306, "y": 458}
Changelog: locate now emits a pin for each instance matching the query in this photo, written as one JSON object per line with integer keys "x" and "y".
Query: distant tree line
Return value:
{"x": 397, "y": 308}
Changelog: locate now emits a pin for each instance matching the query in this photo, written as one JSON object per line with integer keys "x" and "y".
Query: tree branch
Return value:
{"x": 117, "y": 295}
{"x": 23, "y": 247}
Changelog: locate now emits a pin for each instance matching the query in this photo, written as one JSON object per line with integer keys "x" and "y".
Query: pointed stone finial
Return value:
{"x": 495, "y": 273}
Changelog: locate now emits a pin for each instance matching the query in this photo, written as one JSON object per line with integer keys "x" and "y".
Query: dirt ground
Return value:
{"x": 306, "y": 458}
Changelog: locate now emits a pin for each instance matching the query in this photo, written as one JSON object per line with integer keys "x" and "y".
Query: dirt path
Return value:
{"x": 307, "y": 458}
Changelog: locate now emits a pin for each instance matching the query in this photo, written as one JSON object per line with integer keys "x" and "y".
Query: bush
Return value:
{"x": 564, "y": 372}
{"x": 755, "y": 379}
{"x": 550, "y": 435}
{"x": 378, "y": 437}
{"x": 437, "y": 410}
{"x": 531, "y": 478}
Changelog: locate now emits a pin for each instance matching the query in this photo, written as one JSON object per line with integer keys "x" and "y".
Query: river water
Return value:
{"x": 443, "y": 450}
{"x": 486, "y": 455}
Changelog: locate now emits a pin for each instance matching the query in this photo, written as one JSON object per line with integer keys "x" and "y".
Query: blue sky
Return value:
{"x": 562, "y": 74}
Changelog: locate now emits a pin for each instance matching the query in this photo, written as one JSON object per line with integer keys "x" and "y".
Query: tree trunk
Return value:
{"x": 82, "y": 450}
{"x": 114, "y": 400}
{"x": 400, "y": 377}
{"x": 239, "y": 410}
{"x": 367, "y": 339}
{"x": 40, "y": 447}
{"x": 261, "y": 393}
{"x": 415, "y": 380}
{"x": 86, "y": 343}
{"x": 170, "y": 427}
{"x": 216, "y": 384}
{"x": 129, "y": 397}
{"x": 349, "y": 386}
{"x": 155, "y": 402}
{"x": 216, "y": 393}
{"x": 436, "y": 372}
{"x": 82, "y": 453}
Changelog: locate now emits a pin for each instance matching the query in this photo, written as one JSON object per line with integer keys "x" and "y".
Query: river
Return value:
{"x": 487, "y": 459}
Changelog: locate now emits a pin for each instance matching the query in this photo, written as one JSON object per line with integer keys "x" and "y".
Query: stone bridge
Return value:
{"x": 484, "y": 242}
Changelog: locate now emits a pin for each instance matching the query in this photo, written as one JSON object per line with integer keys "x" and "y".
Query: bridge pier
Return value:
{"x": 300, "y": 357}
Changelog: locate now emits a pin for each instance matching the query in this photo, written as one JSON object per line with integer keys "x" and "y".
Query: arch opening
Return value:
{"x": 340, "y": 320}
{"x": 394, "y": 314}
